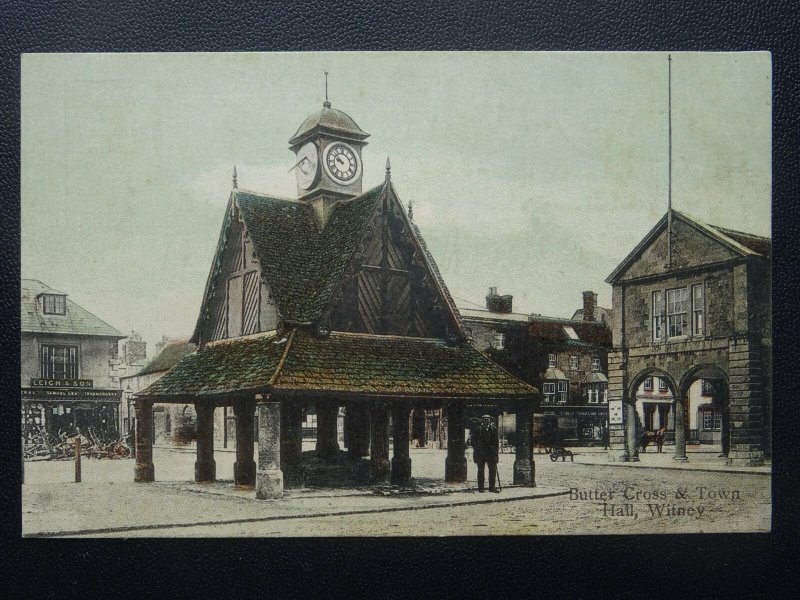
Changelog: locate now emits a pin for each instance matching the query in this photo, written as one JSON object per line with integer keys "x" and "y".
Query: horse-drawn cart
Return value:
{"x": 563, "y": 453}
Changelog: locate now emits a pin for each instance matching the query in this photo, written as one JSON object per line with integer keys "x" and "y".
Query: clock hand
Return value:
{"x": 298, "y": 163}
{"x": 339, "y": 160}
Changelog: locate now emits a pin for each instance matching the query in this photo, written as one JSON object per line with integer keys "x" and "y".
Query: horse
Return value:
{"x": 653, "y": 437}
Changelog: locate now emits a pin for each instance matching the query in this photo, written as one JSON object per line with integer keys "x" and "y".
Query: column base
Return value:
{"x": 617, "y": 455}
{"x": 524, "y": 472}
{"x": 401, "y": 470}
{"x": 144, "y": 473}
{"x": 379, "y": 470}
{"x": 205, "y": 471}
{"x": 682, "y": 459}
{"x": 269, "y": 484}
{"x": 455, "y": 469}
{"x": 244, "y": 472}
{"x": 634, "y": 458}
{"x": 747, "y": 458}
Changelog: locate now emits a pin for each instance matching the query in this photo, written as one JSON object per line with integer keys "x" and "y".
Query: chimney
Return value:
{"x": 497, "y": 303}
{"x": 589, "y": 304}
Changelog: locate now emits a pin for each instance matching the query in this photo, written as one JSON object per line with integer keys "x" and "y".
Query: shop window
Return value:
{"x": 551, "y": 360}
{"x": 59, "y": 362}
{"x": 54, "y": 304}
{"x": 549, "y": 390}
{"x": 697, "y": 309}
{"x": 573, "y": 363}
{"x": 677, "y": 312}
{"x": 648, "y": 384}
{"x": 658, "y": 316}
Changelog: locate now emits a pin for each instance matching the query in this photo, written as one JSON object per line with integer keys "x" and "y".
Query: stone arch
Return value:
{"x": 721, "y": 396}
{"x": 646, "y": 372}
{"x": 632, "y": 434}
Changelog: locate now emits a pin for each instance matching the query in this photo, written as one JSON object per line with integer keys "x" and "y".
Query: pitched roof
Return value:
{"x": 557, "y": 331}
{"x": 76, "y": 321}
{"x": 743, "y": 244}
{"x": 170, "y": 355}
{"x": 303, "y": 262}
{"x": 344, "y": 363}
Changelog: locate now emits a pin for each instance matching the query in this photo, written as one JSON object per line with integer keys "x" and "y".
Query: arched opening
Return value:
{"x": 705, "y": 388}
{"x": 653, "y": 415}
{"x": 418, "y": 438}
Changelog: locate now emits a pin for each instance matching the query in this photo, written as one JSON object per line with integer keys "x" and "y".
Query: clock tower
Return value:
{"x": 328, "y": 167}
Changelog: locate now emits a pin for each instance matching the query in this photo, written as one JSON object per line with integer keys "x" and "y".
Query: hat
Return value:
{"x": 487, "y": 417}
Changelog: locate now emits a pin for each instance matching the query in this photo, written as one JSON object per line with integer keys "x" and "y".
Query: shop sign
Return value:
{"x": 66, "y": 383}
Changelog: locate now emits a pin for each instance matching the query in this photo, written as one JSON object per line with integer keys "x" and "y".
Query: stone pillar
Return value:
{"x": 455, "y": 465}
{"x": 205, "y": 469}
{"x": 327, "y": 417}
{"x": 269, "y": 477}
{"x": 401, "y": 461}
{"x": 143, "y": 470}
{"x": 680, "y": 429}
{"x": 617, "y": 382}
{"x": 291, "y": 436}
{"x": 632, "y": 451}
{"x": 357, "y": 430}
{"x": 524, "y": 468}
{"x": 244, "y": 469}
{"x": 379, "y": 443}
{"x": 745, "y": 404}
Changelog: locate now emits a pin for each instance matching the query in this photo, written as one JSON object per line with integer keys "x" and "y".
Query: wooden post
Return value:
{"x": 78, "y": 459}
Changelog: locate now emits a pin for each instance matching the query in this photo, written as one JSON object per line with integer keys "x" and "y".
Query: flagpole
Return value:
{"x": 669, "y": 174}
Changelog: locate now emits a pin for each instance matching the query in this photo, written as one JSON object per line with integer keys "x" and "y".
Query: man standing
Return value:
{"x": 485, "y": 444}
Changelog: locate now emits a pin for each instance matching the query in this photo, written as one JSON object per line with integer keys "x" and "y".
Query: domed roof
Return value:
{"x": 330, "y": 119}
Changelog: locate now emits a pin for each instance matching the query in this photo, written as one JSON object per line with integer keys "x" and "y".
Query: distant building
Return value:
{"x": 130, "y": 360}
{"x": 693, "y": 314}
{"x": 565, "y": 358}
{"x": 66, "y": 355}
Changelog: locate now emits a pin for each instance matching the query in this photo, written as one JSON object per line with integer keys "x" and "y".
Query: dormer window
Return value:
{"x": 54, "y": 304}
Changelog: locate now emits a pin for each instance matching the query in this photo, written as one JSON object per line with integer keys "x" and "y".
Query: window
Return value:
{"x": 706, "y": 388}
{"x": 499, "y": 341}
{"x": 658, "y": 316}
{"x": 595, "y": 364}
{"x": 563, "y": 390}
{"x": 551, "y": 360}
{"x": 59, "y": 362}
{"x": 662, "y": 385}
{"x": 677, "y": 309}
{"x": 712, "y": 420}
{"x": 53, "y": 304}
{"x": 604, "y": 393}
{"x": 697, "y": 309}
{"x": 573, "y": 363}
{"x": 549, "y": 390}
{"x": 113, "y": 349}
{"x": 648, "y": 384}
{"x": 592, "y": 393}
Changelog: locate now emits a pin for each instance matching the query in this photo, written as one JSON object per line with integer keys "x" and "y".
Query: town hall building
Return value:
{"x": 329, "y": 300}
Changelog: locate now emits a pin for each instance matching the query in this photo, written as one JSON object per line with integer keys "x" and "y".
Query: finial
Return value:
{"x": 326, "y": 104}
{"x": 388, "y": 168}
{"x": 410, "y": 211}
{"x": 234, "y": 177}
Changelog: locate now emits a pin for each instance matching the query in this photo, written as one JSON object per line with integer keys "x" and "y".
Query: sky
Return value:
{"x": 536, "y": 173}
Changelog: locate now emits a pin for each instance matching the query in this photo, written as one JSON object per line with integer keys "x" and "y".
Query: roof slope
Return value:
{"x": 344, "y": 363}
{"x": 76, "y": 321}
{"x": 549, "y": 329}
{"x": 170, "y": 355}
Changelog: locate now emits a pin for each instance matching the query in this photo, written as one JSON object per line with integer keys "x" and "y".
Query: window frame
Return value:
{"x": 596, "y": 366}
{"x": 662, "y": 385}
{"x": 562, "y": 391}
{"x": 574, "y": 362}
{"x": 552, "y": 360}
{"x": 648, "y": 384}
{"x": 499, "y": 341}
{"x": 657, "y": 315}
{"x": 548, "y": 396}
{"x": 700, "y": 311}
{"x": 685, "y": 323}
{"x": 58, "y": 300}
{"x": 49, "y": 373}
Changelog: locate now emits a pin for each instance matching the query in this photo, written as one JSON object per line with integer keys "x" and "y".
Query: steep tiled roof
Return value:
{"x": 301, "y": 261}
{"x": 169, "y": 356}
{"x": 76, "y": 321}
{"x": 343, "y": 362}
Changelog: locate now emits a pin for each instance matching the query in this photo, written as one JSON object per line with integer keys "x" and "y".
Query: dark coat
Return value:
{"x": 485, "y": 443}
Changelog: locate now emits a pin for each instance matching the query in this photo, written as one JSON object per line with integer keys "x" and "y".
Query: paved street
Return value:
{"x": 581, "y": 497}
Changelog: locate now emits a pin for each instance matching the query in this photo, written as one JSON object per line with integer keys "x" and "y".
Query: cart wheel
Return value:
{"x": 553, "y": 457}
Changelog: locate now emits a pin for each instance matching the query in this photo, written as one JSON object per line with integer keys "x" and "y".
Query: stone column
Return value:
{"x": 327, "y": 442}
{"x": 244, "y": 469}
{"x": 379, "y": 443}
{"x": 269, "y": 477}
{"x": 617, "y": 382}
{"x": 205, "y": 469}
{"x": 401, "y": 461}
{"x": 357, "y": 430}
{"x": 746, "y": 400}
{"x": 143, "y": 470}
{"x": 632, "y": 454}
{"x": 455, "y": 465}
{"x": 524, "y": 473}
{"x": 680, "y": 429}
{"x": 291, "y": 437}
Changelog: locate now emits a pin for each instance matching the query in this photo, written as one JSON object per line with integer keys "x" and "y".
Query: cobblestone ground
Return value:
{"x": 605, "y": 499}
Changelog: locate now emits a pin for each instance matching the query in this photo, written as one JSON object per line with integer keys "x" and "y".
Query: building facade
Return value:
{"x": 567, "y": 359}
{"x": 66, "y": 355}
{"x": 692, "y": 307}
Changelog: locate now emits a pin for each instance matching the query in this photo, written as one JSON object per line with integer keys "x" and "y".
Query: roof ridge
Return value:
{"x": 268, "y": 197}
{"x": 282, "y": 361}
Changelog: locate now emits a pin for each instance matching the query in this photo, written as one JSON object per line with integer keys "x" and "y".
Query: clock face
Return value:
{"x": 307, "y": 165}
{"x": 341, "y": 163}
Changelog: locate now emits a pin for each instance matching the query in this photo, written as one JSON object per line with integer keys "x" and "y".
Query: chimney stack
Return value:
{"x": 589, "y": 304}
{"x": 497, "y": 303}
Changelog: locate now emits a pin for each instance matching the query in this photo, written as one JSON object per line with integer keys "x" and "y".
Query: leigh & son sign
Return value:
{"x": 62, "y": 383}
